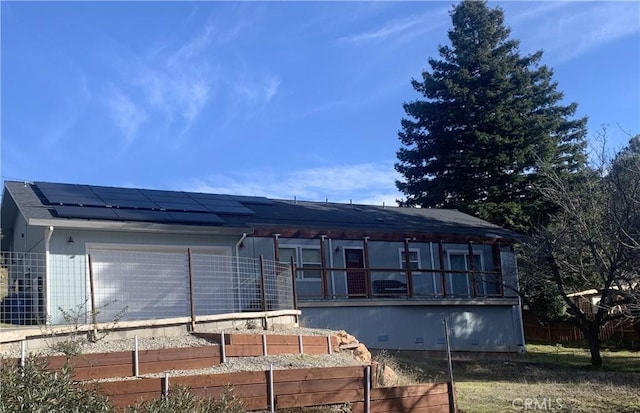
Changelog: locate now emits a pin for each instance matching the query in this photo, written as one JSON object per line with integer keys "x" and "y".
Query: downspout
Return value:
{"x": 48, "y": 232}
{"x": 237, "y": 248}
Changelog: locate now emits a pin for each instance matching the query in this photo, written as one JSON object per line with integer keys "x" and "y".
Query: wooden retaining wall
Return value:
{"x": 291, "y": 388}
{"x": 122, "y": 364}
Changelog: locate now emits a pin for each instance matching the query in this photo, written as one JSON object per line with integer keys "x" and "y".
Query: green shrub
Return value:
{"x": 182, "y": 400}
{"x": 33, "y": 389}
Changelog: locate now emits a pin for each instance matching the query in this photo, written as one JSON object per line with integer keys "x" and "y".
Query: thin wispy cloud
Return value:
{"x": 167, "y": 85}
{"x": 579, "y": 27}
{"x": 400, "y": 30}
{"x": 366, "y": 183}
{"x": 389, "y": 29}
{"x": 125, "y": 114}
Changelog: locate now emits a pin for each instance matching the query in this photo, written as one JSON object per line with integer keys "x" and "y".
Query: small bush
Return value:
{"x": 181, "y": 400}
{"x": 35, "y": 390}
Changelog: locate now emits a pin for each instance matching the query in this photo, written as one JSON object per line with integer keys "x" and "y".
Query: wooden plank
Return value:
{"x": 306, "y": 386}
{"x": 179, "y": 353}
{"x": 318, "y": 373}
{"x": 410, "y": 403}
{"x": 285, "y": 340}
{"x": 224, "y": 379}
{"x": 186, "y": 364}
{"x": 316, "y": 350}
{"x": 102, "y": 372}
{"x": 358, "y": 407}
{"x": 242, "y": 391}
{"x": 244, "y": 339}
{"x": 146, "y": 385}
{"x": 121, "y": 401}
{"x": 404, "y": 391}
{"x": 275, "y": 349}
{"x": 91, "y": 360}
{"x": 318, "y": 399}
{"x": 244, "y": 350}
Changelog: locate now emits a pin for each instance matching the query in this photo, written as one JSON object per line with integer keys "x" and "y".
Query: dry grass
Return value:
{"x": 547, "y": 378}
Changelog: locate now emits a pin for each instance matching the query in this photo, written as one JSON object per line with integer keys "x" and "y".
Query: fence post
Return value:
{"x": 165, "y": 386}
{"x": 191, "y": 306}
{"x": 367, "y": 389}
{"x": 367, "y": 269}
{"x": 293, "y": 285}
{"x": 407, "y": 264}
{"x": 263, "y": 284}
{"x": 136, "y": 357}
{"x": 443, "y": 274}
{"x": 452, "y": 390}
{"x": 272, "y": 397}
{"x": 223, "y": 348}
{"x": 94, "y": 313}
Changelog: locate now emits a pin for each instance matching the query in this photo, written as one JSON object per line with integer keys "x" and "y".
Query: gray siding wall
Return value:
{"x": 471, "y": 328}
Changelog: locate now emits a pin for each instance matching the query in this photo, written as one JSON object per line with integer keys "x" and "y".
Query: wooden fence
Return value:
{"x": 562, "y": 332}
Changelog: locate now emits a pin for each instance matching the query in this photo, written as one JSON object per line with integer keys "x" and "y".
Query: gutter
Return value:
{"x": 48, "y": 233}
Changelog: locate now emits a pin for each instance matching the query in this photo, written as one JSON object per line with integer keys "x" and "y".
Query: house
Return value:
{"x": 389, "y": 275}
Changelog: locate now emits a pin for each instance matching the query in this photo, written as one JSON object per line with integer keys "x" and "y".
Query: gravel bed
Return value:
{"x": 279, "y": 362}
{"x": 107, "y": 345}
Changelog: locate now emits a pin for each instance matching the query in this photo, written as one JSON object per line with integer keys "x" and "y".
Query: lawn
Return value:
{"x": 546, "y": 378}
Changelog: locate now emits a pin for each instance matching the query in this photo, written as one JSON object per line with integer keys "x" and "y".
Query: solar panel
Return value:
{"x": 84, "y": 212}
{"x": 131, "y": 203}
{"x": 200, "y": 196}
{"x": 196, "y": 218}
{"x": 237, "y": 209}
{"x": 184, "y": 207}
{"x": 143, "y": 215}
{"x": 69, "y": 194}
{"x": 255, "y": 200}
{"x": 157, "y": 193}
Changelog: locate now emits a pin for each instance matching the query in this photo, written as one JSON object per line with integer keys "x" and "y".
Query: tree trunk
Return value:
{"x": 592, "y": 335}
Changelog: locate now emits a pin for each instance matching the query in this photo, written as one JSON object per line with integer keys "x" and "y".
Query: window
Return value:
{"x": 304, "y": 258}
{"x": 459, "y": 282}
{"x": 414, "y": 259}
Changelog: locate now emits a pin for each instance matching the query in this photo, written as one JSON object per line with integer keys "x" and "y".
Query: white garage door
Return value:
{"x": 140, "y": 284}
{"x": 149, "y": 282}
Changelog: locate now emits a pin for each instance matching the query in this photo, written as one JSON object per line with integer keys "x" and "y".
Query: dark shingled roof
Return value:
{"x": 264, "y": 216}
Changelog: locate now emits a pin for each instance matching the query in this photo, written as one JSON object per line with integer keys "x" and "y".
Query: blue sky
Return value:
{"x": 280, "y": 99}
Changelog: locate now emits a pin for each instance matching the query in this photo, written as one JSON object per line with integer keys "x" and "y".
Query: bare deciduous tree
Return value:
{"x": 591, "y": 244}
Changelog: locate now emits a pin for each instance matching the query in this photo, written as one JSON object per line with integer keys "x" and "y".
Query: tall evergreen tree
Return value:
{"x": 490, "y": 119}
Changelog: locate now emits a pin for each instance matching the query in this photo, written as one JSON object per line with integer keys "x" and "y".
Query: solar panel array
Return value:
{"x": 130, "y": 204}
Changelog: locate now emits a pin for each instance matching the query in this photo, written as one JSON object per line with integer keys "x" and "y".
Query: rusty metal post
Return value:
{"x": 263, "y": 284}
{"x": 443, "y": 274}
{"x": 367, "y": 270}
{"x": 191, "y": 305}
{"x": 293, "y": 284}
{"x": 323, "y": 264}
{"x": 407, "y": 264}
{"x": 472, "y": 268}
{"x": 94, "y": 311}
{"x": 497, "y": 267}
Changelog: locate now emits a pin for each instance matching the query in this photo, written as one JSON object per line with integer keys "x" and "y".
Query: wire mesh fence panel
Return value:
{"x": 279, "y": 291}
{"x": 22, "y": 288}
{"x": 138, "y": 285}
